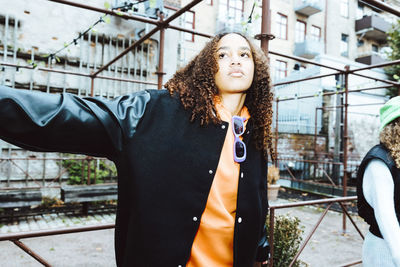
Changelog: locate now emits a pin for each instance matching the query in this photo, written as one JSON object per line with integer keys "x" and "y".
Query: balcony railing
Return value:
{"x": 373, "y": 27}
{"x": 308, "y": 7}
{"x": 371, "y": 58}
{"x": 309, "y": 48}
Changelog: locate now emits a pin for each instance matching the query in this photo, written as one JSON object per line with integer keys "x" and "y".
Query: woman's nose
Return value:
{"x": 235, "y": 61}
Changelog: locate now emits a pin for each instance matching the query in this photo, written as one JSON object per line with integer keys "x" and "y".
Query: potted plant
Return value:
{"x": 287, "y": 239}
{"x": 272, "y": 178}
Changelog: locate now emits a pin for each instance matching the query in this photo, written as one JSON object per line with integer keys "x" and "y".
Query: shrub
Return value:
{"x": 287, "y": 240}
{"x": 78, "y": 174}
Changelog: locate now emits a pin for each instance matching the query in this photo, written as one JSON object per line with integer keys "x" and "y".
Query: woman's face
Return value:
{"x": 235, "y": 64}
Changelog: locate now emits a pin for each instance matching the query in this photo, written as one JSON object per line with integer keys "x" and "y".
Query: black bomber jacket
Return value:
{"x": 165, "y": 164}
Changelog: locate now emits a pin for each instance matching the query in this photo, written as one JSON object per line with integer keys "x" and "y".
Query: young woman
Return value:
{"x": 378, "y": 192}
{"x": 191, "y": 160}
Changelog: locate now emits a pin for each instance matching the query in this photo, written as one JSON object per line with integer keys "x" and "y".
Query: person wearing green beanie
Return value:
{"x": 378, "y": 191}
{"x": 390, "y": 111}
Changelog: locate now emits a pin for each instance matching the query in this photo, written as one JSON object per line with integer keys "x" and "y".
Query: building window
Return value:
{"x": 300, "y": 34}
{"x": 344, "y": 8}
{"x": 189, "y": 24}
{"x": 360, "y": 43}
{"x": 344, "y": 45}
{"x": 375, "y": 48}
{"x": 231, "y": 11}
{"x": 315, "y": 33}
{"x": 282, "y": 26}
{"x": 280, "y": 69}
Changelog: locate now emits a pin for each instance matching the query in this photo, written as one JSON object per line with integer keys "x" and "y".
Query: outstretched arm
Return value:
{"x": 378, "y": 189}
{"x": 67, "y": 123}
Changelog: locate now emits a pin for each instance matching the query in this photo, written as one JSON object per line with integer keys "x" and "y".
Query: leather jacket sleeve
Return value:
{"x": 67, "y": 123}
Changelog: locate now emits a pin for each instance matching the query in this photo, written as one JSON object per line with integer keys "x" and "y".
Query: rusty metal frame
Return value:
{"x": 345, "y": 72}
{"x": 160, "y": 24}
{"x": 330, "y": 202}
{"x": 15, "y": 237}
{"x": 264, "y": 36}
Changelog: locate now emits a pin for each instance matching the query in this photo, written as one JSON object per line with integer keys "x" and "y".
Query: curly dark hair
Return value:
{"x": 389, "y": 136}
{"x": 196, "y": 88}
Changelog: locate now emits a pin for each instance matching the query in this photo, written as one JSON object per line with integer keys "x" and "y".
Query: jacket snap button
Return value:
{"x": 239, "y": 219}
{"x": 210, "y": 171}
{"x": 195, "y": 219}
{"x": 223, "y": 127}
{"x": 241, "y": 175}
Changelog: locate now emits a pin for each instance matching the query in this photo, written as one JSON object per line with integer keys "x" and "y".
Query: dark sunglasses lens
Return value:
{"x": 239, "y": 148}
{"x": 238, "y": 126}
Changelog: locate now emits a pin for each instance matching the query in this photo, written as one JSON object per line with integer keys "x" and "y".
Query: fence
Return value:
{"x": 329, "y": 203}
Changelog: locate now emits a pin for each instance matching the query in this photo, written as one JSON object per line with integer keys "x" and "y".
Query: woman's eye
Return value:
{"x": 245, "y": 54}
{"x": 221, "y": 56}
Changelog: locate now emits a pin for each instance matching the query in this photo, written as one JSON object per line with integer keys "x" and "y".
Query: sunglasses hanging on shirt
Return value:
{"x": 239, "y": 147}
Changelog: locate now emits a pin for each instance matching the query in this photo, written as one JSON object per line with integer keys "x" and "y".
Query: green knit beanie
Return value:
{"x": 390, "y": 111}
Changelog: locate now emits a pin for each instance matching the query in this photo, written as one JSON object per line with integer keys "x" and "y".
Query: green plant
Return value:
{"x": 78, "y": 171}
{"x": 393, "y": 71}
{"x": 287, "y": 239}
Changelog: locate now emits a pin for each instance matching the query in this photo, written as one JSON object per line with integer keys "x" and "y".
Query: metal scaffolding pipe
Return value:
{"x": 305, "y": 61}
{"x": 69, "y": 230}
{"x": 127, "y": 16}
{"x": 190, "y": 31}
{"x": 161, "y": 24}
{"x": 333, "y": 93}
{"x": 31, "y": 253}
{"x": 381, "y": 65}
{"x": 376, "y": 79}
{"x": 74, "y": 73}
{"x": 106, "y": 11}
{"x": 345, "y": 138}
{"x": 307, "y": 79}
{"x": 265, "y": 35}
{"x": 160, "y": 72}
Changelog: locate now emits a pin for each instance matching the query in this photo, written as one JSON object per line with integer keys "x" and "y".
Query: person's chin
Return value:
{"x": 238, "y": 90}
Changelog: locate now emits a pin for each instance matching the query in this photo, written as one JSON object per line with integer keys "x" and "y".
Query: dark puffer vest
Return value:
{"x": 364, "y": 209}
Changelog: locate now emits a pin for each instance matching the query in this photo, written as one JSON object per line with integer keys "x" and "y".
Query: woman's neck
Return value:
{"x": 233, "y": 102}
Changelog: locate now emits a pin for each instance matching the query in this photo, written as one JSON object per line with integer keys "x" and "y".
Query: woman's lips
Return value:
{"x": 236, "y": 73}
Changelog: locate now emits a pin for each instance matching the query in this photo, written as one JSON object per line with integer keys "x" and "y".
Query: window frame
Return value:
{"x": 228, "y": 7}
{"x": 280, "y": 16}
{"x": 304, "y": 32}
{"x": 313, "y": 36}
{"x": 279, "y": 70}
{"x": 192, "y": 27}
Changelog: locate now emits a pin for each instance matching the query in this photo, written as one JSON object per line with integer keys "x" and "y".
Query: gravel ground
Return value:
{"x": 328, "y": 247}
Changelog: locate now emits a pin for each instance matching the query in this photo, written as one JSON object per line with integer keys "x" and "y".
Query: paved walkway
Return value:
{"x": 329, "y": 247}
